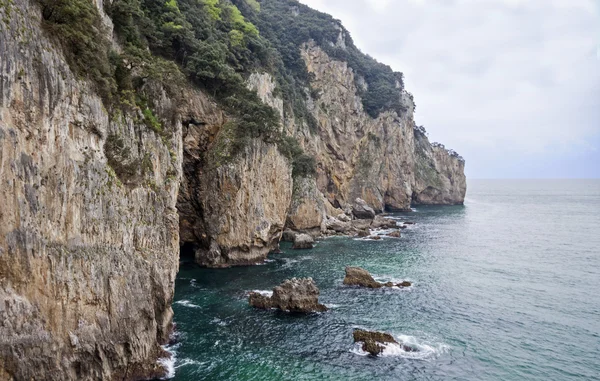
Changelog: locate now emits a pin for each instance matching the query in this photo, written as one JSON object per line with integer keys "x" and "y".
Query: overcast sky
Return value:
{"x": 512, "y": 85}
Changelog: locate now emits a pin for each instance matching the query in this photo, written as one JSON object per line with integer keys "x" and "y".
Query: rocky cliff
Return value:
{"x": 96, "y": 200}
{"x": 88, "y": 221}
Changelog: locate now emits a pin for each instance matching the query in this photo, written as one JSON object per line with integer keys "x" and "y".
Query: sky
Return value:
{"x": 512, "y": 85}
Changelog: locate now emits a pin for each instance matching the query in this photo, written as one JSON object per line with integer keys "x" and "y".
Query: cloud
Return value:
{"x": 490, "y": 77}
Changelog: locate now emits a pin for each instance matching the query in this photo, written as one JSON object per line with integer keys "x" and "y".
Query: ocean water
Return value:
{"x": 506, "y": 287}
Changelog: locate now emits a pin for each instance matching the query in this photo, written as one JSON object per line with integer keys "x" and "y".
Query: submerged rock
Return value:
{"x": 373, "y": 342}
{"x": 395, "y": 234}
{"x": 409, "y": 223}
{"x": 356, "y": 276}
{"x": 362, "y": 211}
{"x": 404, "y": 284}
{"x": 375, "y": 237}
{"x": 294, "y": 295}
{"x": 303, "y": 241}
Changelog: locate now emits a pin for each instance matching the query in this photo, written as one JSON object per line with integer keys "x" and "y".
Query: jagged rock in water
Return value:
{"x": 303, "y": 241}
{"x": 409, "y": 223}
{"x": 404, "y": 284}
{"x": 356, "y": 276}
{"x": 363, "y": 233}
{"x": 362, "y": 210}
{"x": 373, "y": 342}
{"x": 395, "y": 234}
{"x": 380, "y": 222}
{"x": 294, "y": 295}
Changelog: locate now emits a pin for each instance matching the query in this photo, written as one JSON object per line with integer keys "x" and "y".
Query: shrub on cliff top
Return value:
{"x": 78, "y": 29}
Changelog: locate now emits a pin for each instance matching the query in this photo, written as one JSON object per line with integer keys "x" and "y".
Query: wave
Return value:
{"x": 264, "y": 292}
{"x": 169, "y": 362}
{"x": 409, "y": 347}
{"x": 219, "y": 322}
{"x": 185, "y": 362}
{"x": 187, "y": 303}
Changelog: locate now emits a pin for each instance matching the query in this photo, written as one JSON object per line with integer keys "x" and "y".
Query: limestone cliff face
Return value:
{"x": 232, "y": 206}
{"x": 385, "y": 161}
{"x": 88, "y": 248}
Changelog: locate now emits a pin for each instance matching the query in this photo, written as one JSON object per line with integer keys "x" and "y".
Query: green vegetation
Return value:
{"x": 288, "y": 30}
{"x": 215, "y": 44}
{"x": 79, "y": 30}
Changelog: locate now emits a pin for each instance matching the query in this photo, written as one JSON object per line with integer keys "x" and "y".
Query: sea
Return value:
{"x": 506, "y": 287}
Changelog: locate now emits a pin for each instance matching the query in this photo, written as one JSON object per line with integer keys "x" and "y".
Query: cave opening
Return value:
{"x": 187, "y": 252}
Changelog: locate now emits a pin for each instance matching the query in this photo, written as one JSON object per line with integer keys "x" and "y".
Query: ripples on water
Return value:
{"x": 505, "y": 288}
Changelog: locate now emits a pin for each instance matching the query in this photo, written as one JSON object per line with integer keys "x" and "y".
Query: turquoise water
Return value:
{"x": 505, "y": 288}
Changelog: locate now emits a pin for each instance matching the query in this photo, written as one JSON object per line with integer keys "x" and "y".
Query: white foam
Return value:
{"x": 187, "y": 303}
{"x": 330, "y": 306}
{"x": 219, "y": 322}
{"x": 266, "y": 293}
{"x": 422, "y": 350}
{"x": 185, "y": 362}
{"x": 169, "y": 362}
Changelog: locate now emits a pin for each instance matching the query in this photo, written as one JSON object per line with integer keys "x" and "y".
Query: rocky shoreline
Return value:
{"x": 361, "y": 221}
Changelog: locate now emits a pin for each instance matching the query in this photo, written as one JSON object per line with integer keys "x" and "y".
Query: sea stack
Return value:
{"x": 293, "y": 295}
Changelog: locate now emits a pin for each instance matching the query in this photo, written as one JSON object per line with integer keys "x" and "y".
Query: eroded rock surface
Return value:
{"x": 356, "y": 276}
{"x": 88, "y": 226}
{"x": 375, "y": 342}
{"x": 303, "y": 241}
{"x": 293, "y": 295}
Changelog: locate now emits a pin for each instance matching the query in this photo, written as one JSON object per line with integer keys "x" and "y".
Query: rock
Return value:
{"x": 373, "y": 342}
{"x": 288, "y": 235}
{"x": 303, "y": 241}
{"x": 356, "y": 276}
{"x": 395, "y": 234}
{"x": 259, "y": 300}
{"x": 404, "y": 284}
{"x": 409, "y": 223}
{"x": 361, "y": 224}
{"x": 402, "y": 226}
{"x": 375, "y": 237}
{"x": 363, "y": 233}
{"x": 383, "y": 223}
{"x": 294, "y": 295}
{"x": 362, "y": 211}
{"x": 338, "y": 225}
{"x": 343, "y": 217}
{"x": 389, "y": 284}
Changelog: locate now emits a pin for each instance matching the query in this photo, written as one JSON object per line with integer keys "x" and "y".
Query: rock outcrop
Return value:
{"x": 293, "y": 295}
{"x": 373, "y": 342}
{"x": 356, "y": 276}
{"x": 376, "y": 342}
{"x": 303, "y": 241}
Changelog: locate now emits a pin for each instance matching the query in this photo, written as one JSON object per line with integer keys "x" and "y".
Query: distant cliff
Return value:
{"x": 131, "y": 127}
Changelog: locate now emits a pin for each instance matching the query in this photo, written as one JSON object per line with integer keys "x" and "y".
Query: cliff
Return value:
{"x": 88, "y": 221}
{"x": 116, "y": 149}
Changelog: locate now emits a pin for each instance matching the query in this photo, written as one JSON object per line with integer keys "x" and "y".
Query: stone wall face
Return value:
{"x": 88, "y": 252}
